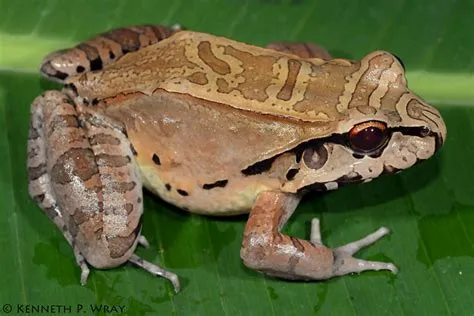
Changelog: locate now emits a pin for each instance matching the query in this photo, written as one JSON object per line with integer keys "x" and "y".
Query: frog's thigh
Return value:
{"x": 266, "y": 249}
{"x": 304, "y": 50}
{"x": 39, "y": 180}
{"x": 85, "y": 180}
{"x": 96, "y": 53}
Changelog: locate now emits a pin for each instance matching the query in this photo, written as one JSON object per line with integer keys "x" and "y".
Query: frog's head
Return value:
{"x": 384, "y": 128}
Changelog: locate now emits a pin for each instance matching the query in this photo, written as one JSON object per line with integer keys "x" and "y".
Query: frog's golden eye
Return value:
{"x": 367, "y": 137}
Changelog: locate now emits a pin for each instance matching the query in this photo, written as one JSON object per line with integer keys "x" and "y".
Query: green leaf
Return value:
{"x": 429, "y": 208}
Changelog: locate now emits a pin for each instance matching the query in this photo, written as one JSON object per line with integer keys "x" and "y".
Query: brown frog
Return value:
{"x": 217, "y": 127}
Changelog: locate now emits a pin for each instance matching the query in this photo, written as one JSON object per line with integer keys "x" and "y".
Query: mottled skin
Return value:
{"x": 217, "y": 127}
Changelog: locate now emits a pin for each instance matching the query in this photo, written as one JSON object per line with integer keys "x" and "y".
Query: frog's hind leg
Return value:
{"x": 96, "y": 53}
{"x": 40, "y": 181}
{"x": 266, "y": 249}
{"x": 304, "y": 50}
{"x": 83, "y": 176}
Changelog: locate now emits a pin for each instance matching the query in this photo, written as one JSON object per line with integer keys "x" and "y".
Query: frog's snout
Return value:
{"x": 437, "y": 127}
{"x": 432, "y": 123}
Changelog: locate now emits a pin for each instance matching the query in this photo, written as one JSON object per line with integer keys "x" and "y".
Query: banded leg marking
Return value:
{"x": 96, "y": 53}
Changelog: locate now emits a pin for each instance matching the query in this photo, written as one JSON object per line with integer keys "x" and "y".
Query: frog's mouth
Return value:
{"x": 316, "y": 154}
{"x": 421, "y": 131}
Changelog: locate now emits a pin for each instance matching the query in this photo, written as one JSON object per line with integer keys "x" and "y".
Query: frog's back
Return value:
{"x": 220, "y": 70}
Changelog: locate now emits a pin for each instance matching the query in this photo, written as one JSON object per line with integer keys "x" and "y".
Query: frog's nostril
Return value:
{"x": 425, "y": 131}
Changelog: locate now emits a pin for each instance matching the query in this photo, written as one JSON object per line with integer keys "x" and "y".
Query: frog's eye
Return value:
{"x": 369, "y": 136}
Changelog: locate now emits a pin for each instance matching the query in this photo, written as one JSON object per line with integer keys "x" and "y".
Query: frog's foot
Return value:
{"x": 156, "y": 270}
{"x": 344, "y": 263}
{"x": 266, "y": 249}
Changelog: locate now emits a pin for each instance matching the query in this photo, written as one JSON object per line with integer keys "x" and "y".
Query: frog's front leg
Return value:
{"x": 266, "y": 249}
{"x": 83, "y": 176}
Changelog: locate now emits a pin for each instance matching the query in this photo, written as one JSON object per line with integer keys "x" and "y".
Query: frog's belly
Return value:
{"x": 235, "y": 197}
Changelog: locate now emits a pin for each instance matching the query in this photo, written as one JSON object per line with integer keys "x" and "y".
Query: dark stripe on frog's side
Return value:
{"x": 84, "y": 167}
{"x": 266, "y": 164}
{"x": 259, "y": 167}
{"x": 217, "y": 184}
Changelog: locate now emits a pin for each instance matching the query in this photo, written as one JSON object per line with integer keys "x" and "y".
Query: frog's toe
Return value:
{"x": 81, "y": 262}
{"x": 142, "y": 241}
{"x": 344, "y": 263}
{"x": 156, "y": 270}
{"x": 315, "y": 236}
{"x": 355, "y": 246}
{"x": 84, "y": 274}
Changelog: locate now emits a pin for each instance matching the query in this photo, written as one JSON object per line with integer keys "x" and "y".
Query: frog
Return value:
{"x": 217, "y": 127}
